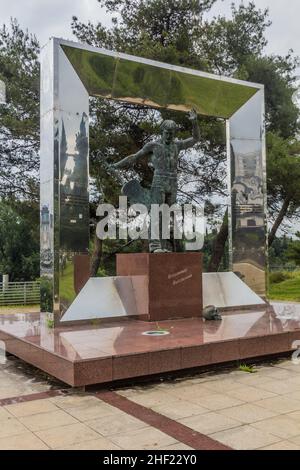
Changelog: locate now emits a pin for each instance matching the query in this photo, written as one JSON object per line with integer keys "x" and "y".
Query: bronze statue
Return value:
{"x": 163, "y": 159}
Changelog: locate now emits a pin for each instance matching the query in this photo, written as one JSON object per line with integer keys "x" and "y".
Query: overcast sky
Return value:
{"x": 48, "y": 18}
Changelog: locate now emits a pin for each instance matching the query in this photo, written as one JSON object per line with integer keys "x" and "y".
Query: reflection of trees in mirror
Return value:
{"x": 46, "y": 286}
{"x": 50, "y": 322}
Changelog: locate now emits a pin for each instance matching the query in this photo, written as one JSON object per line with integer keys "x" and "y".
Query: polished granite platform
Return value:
{"x": 108, "y": 351}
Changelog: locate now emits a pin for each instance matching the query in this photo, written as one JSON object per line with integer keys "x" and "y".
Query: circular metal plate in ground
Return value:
{"x": 156, "y": 333}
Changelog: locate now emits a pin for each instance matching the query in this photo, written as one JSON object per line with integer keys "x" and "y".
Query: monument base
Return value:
{"x": 173, "y": 283}
{"x": 110, "y": 351}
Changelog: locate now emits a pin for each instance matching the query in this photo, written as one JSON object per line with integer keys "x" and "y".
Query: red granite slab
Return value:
{"x": 87, "y": 353}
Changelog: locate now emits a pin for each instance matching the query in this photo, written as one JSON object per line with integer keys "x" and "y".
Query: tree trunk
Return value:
{"x": 219, "y": 245}
{"x": 279, "y": 219}
{"x": 96, "y": 256}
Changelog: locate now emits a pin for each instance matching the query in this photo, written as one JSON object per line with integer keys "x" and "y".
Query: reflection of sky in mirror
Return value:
{"x": 72, "y": 126}
{"x": 246, "y": 123}
{"x": 73, "y": 96}
{"x": 246, "y": 147}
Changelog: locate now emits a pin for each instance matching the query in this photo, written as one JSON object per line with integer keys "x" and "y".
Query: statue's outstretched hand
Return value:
{"x": 193, "y": 115}
{"x": 118, "y": 165}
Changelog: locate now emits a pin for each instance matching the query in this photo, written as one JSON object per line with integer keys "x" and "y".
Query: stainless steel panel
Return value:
{"x": 248, "y": 194}
{"x": 64, "y": 177}
{"x": 227, "y": 290}
{"x": 47, "y": 135}
{"x": 106, "y": 297}
{"x": 142, "y": 81}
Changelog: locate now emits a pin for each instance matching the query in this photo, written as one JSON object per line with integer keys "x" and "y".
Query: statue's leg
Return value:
{"x": 171, "y": 198}
{"x": 157, "y": 197}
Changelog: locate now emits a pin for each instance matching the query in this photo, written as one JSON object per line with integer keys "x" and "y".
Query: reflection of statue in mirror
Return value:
{"x": 162, "y": 157}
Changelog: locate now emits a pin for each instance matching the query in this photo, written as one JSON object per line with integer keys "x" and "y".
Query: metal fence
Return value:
{"x": 19, "y": 293}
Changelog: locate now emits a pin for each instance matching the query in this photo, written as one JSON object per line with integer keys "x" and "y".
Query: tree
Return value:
{"x": 293, "y": 251}
{"x": 283, "y": 172}
{"x": 19, "y": 159}
{"x": 158, "y": 29}
{"x": 19, "y": 244}
{"x": 19, "y": 119}
{"x": 228, "y": 43}
{"x": 278, "y": 251}
{"x": 278, "y": 76}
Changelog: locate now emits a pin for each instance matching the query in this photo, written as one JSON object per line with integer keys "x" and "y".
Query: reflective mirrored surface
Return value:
{"x": 248, "y": 194}
{"x": 145, "y": 83}
{"x": 64, "y": 179}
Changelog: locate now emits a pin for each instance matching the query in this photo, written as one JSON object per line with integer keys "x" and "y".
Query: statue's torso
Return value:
{"x": 164, "y": 159}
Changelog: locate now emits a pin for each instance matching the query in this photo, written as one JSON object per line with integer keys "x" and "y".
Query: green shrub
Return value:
{"x": 279, "y": 276}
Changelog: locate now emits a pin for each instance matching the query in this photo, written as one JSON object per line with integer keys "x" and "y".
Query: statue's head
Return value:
{"x": 168, "y": 130}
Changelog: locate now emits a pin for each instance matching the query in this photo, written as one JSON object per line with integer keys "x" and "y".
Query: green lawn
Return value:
{"x": 286, "y": 289}
{"x": 19, "y": 309}
{"x": 67, "y": 283}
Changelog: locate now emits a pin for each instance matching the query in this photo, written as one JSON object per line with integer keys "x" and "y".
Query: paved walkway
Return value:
{"x": 231, "y": 409}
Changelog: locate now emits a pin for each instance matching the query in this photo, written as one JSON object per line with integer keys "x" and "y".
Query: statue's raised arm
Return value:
{"x": 191, "y": 141}
{"x": 132, "y": 159}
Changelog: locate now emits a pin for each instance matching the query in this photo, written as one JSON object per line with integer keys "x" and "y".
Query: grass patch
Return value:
{"x": 279, "y": 276}
{"x": 285, "y": 287}
{"x": 67, "y": 283}
{"x": 19, "y": 309}
{"x": 246, "y": 368}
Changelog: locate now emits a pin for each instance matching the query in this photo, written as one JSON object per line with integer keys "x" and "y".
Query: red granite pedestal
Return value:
{"x": 173, "y": 283}
{"x": 86, "y": 354}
